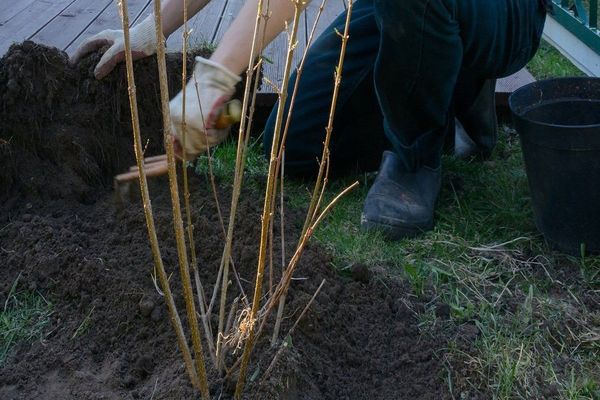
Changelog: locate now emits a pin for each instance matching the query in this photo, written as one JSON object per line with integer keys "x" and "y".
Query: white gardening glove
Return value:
{"x": 216, "y": 85}
{"x": 143, "y": 44}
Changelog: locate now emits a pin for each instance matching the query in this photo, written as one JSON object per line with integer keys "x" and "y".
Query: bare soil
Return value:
{"x": 62, "y": 136}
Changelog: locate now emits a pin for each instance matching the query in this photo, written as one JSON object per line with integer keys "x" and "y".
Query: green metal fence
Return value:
{"x": 580, "y": 17}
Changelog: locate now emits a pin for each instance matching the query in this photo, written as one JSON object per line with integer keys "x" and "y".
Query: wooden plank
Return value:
{"x": 203, "y": 24}
{"x": 29, "y": 21}
{"x": 107, "y": 19}
{"x": 505, "y": 86}
{"x": 275, "y": 52}
{"x": 232, "y": 8}
{"x": 203, "y": 27}
{"x": 7, "y": 11}
{"x": 70, "y": 23}
{"x": 148, "y": 8}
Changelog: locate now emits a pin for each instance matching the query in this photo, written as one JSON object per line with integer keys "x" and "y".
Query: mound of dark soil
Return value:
{"x": 57, "y": 116}
{"x": 109, "y": 336}
{"x": 358, "y": 341}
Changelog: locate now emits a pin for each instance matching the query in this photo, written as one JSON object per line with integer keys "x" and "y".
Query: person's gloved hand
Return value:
{"x": 215, "y": 86}
{"x": 143, "y": 44}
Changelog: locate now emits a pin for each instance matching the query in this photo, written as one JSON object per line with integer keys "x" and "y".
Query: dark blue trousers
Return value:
{"x": 411, "y": 66}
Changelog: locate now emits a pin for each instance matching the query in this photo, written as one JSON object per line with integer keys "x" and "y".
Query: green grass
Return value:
{"x": 536, "y": 337}
{"x": 470, "y": 211}
{"x": 85, "y": 325}
{"x": 222, "y": 162}
{"x": 486, "y": 260}
{"x": 200, "y": 46}
{"x": 488, "y": 263}
{"x": 549, "y": 63}
{"x": 23, "y": 318}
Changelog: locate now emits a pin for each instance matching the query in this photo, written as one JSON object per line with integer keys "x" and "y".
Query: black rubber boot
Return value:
{"x": 477, "y": 132}
{"x": 401, "y": 204}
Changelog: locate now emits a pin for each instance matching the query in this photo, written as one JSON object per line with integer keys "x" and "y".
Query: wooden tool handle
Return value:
{"x": 157, "y": 169}
{"x": 157, "y": 165}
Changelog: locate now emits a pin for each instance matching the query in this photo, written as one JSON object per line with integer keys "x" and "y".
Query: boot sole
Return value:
{"x": 395, "y": 232}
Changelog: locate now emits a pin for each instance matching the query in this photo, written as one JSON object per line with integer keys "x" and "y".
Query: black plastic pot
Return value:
{"x": 558, "y": 121}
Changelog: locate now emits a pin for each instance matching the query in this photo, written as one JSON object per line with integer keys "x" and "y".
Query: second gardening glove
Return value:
{"x": 143, "y": 44}
{"x": 207, "y": 93}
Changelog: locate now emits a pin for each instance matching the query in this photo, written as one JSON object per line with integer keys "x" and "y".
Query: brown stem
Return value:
{"x": 186, "y": 191}
{"x": 312, "y": 220}
{"x": 204, "y": 316}
{"x": 281, "y": 161}
{"x": 283, "y": 285}
{"x": 280, "y": 158}
{"x": 299, "y": 72}
{"x": 266, "y": 216}
{"x": 239, "y": 172}
{"x": 257, "y": 67}
{"x": 338, "y": 79}
{"x": 324, "y": 165}
{"x": 148, "y": 214}
{"x": 271, "y": 255}
{"x": 290, "y": 333}
{"x": 221, "y": 222}
{"x": 177, "y": 219}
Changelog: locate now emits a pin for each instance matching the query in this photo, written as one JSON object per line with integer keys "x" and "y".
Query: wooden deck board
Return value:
{"x": 7, "y": 11}
{"x": 276, "y": 52}
{"x": 107, "y": 19}
{"x": 66, "y": 23}
{"x": 232, "y": 7}
{"x": 29, "y": 21}
{"x": 202, "y": 27}
{"x": 70, "y": 23}
{"x": 505, "y": 86}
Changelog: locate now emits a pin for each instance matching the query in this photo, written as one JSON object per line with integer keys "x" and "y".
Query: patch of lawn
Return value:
{"x": 533, "y": 314}
{"x": 23, "y": 318}
{"x": 480, "y": 202}
{"x": 549, "y": 63}
{"x": 222, "y": 161}
{"x": 487, "y": 262}
{"x": 528, "y": 318}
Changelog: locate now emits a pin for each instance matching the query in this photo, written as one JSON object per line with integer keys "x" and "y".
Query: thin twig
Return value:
{"x": 239, "y": 172}
{"x": 257, "y": 67}
{"x": 148, "y": 213}
{"x": 284, "y": 284}
{"x": 266, "y": 216}
{"x": 299, "y": 72}
{"x": 228, "y": 327}
{"x": 186, "y": 191}
{"x": 285, "y": 344}
{"x": 312, "y": 210}
{"x": 281, "y": 161}
{"x": 177, "y": 219}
